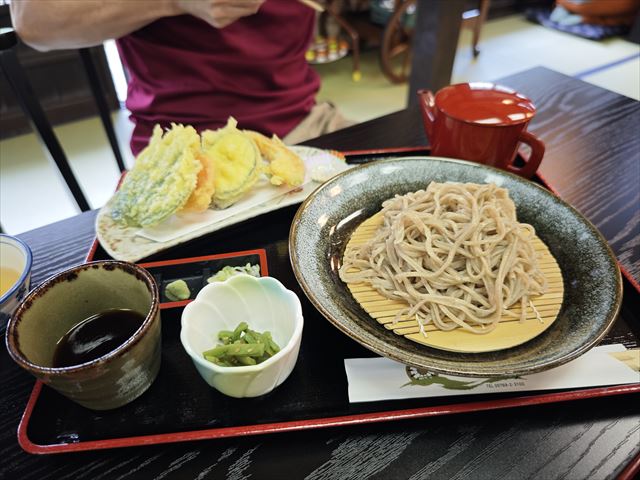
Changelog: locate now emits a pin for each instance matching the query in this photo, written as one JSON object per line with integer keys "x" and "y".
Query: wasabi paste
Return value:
{"x": 177, "y": 290}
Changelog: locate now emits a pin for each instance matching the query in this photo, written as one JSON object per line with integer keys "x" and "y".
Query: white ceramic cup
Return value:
{"x": 14, "y": 255}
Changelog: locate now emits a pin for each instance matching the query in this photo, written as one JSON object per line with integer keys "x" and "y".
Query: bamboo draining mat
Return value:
{"x": 509, "y": 332}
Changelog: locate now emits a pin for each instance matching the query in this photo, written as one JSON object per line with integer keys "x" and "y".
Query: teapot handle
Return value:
{"x": 533, "y": 162}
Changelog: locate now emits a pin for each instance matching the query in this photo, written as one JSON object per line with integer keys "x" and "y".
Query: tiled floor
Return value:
{"x": 32, "y": 195}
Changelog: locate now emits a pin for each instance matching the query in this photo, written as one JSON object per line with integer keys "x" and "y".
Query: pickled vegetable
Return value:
{"x": 241, "y": 347}
{"x": 229, "y": 271}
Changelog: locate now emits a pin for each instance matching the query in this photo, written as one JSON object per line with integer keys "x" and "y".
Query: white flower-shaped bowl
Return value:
{"x": 266, "y": 305}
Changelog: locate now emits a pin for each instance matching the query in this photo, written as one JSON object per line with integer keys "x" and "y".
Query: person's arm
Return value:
{"x": 74, "y": 24}
{"x": 48, "y": 25}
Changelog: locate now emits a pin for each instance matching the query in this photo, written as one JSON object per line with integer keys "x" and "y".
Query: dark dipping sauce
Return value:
{"x": 96, "y": 336}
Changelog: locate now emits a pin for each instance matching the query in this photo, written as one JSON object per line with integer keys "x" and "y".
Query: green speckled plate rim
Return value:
{"x": 480, "y": 365}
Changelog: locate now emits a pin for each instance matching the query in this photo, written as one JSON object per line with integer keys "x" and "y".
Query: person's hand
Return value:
{"x": 219, "y": 13}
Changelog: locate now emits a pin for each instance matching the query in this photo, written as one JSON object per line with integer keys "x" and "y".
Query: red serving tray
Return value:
{"x": 459, "y": 406}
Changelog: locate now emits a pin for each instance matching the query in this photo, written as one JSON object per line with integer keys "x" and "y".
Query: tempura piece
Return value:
{"x": 162, "y": 178}
{"x": 202, "y": 196}
{"x": 237, "y": 162}
{"x": 284, "y": 165}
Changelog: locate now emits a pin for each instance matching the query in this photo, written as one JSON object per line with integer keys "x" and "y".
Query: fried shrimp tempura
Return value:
{"x": 284, "y": 165}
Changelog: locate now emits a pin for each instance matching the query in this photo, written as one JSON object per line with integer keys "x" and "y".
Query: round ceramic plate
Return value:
{"x": 324, "y": 223}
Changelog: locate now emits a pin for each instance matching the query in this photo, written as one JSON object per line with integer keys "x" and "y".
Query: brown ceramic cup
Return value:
{"x": 482, "y": 122}
{"x": 66, "y": 299}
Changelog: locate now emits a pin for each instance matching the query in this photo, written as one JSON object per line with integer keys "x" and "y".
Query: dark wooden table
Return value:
{"x": 593, "y": 159}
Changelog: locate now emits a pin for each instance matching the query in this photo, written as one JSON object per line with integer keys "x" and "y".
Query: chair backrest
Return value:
{"x": 35, "y": 114}
{"x": 101, "y": 102}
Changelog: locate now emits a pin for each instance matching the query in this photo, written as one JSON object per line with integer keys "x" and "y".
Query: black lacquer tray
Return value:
{"x": 180, "y": 406}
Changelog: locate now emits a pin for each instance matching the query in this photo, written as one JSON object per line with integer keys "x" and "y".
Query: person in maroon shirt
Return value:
{"x": 198, "y": 62}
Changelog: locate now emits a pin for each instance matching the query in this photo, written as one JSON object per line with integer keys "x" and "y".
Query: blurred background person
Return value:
{"x": 197, "y": 62}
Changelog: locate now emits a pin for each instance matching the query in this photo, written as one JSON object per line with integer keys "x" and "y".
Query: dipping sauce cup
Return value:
{"x": 482, "y": 122}
{"x": 62, "y": 303}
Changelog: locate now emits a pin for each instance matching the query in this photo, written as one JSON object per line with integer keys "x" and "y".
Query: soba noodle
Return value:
{"x": 455, "y": 253}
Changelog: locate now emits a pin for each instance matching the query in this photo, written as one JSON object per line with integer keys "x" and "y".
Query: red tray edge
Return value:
{"x": 382, "y": 151}
{"x": 359, "y": 419}
{"x": 631, "y": 470}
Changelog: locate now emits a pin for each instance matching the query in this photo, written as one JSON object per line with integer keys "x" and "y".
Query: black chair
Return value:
{"x": 36, "y": 116}
{"x": 103, "y": 108}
